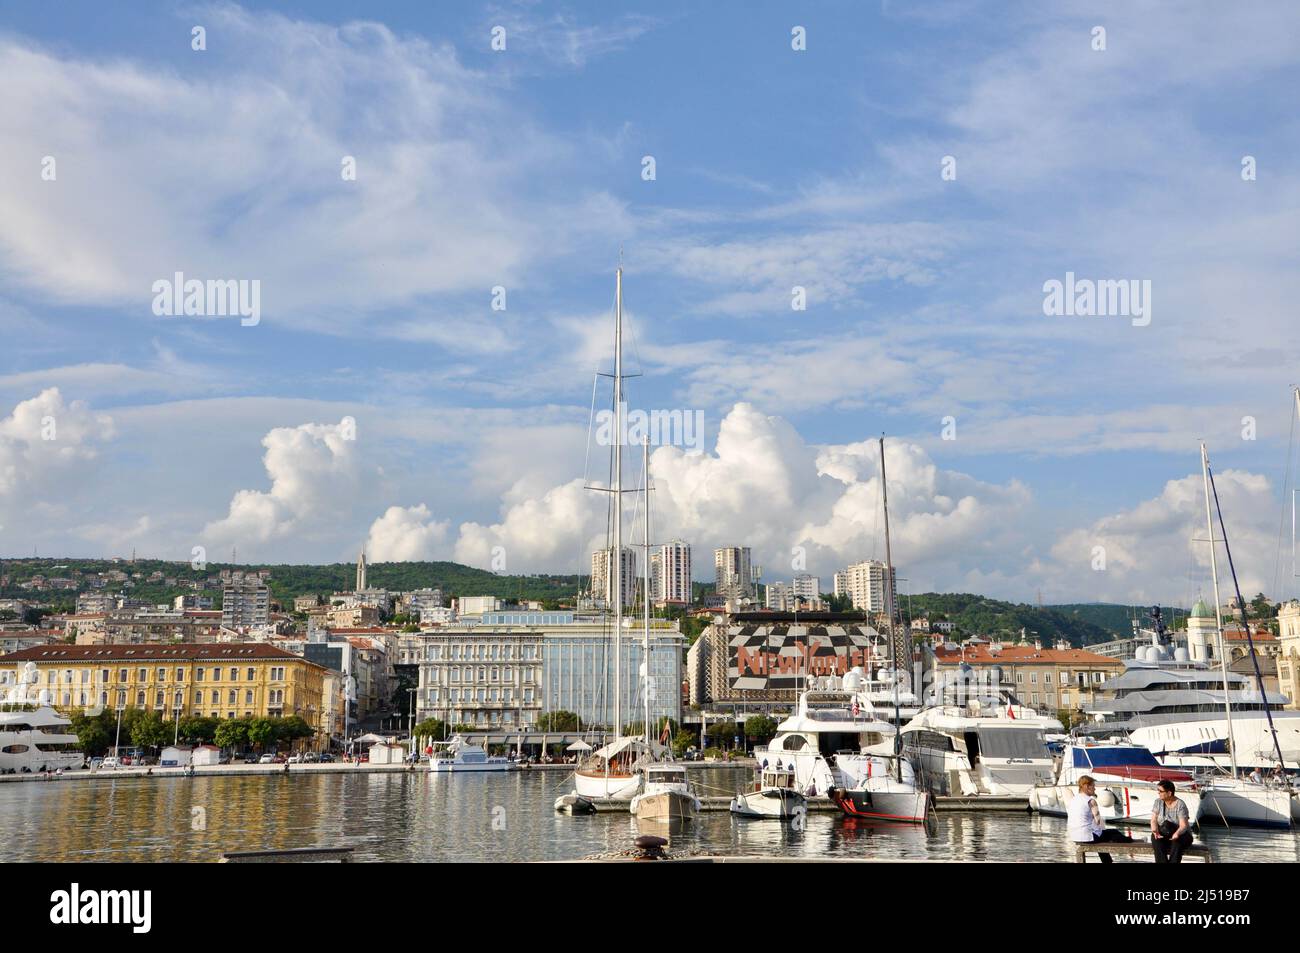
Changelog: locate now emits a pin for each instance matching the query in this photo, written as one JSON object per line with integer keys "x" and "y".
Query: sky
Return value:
{"x": 820, "y": 245}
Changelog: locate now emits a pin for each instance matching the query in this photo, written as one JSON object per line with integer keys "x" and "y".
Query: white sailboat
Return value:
{"x": 891, "y": 794}
{"x": 667, "y": 793}
{"x": 612, "y": 771}
{"x": 1236, "y": 800}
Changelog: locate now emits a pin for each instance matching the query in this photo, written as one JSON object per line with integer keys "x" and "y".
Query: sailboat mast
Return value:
{"x": 1218, "y": 610}
{"x": 889, "y": 603}
{"x": 616, "y": 558}
{"x": 645, "y": 599}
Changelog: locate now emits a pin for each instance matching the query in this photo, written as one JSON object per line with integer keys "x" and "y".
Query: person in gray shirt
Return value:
{"x": 1170, "y": 825}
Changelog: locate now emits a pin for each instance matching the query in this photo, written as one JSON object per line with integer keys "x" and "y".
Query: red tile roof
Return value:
{"x": 216, "y": 651}
{"x": 1021, "y": 655}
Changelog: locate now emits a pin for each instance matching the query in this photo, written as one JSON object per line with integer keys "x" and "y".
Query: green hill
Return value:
{"x": 978, "y": 615}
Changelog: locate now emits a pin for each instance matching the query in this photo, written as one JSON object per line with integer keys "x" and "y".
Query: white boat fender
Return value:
{"x": 1106, "y": 798}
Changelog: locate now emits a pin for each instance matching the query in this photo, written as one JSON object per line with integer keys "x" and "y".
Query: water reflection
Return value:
{"x": 490, "y": 818}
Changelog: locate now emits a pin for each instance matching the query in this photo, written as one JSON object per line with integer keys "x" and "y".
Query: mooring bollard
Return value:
{"x": 651, "y": 847}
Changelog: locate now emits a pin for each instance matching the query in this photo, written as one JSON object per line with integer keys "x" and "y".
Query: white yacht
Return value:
{"x": 456, "y": 755}
{"x": 774, "y": 796}
{"x": 823, "y": 741}
{"x": 31, "y": 739}
{"x": 1126, "y": 777}
{"x": 30, "y": 735}
{"x": 988, "y": 746}
{"x": 613, "y": 772}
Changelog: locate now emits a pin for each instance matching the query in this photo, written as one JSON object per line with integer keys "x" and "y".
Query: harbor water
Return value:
{"x": 509, "y": 817}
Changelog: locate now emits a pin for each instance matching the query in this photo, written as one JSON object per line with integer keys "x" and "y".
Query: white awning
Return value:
{"x": 579, "y": 746}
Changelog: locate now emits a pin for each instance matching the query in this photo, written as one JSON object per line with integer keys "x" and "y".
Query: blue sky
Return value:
{"x": 774, "y": 168}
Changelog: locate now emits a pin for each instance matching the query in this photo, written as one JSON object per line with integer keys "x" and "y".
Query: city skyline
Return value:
{"x": 380, "y": 394}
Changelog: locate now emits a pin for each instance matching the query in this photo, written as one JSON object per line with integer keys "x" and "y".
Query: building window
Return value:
{"x": 216, "y": 674}
{"x": 121, "y": 675}
{"x": 198, "y": 675}
{"x": 234, "y": 674}
{"x": 216, "y": 699}
{"x": 162, "y": 674}
{"x": 139, "y": 699}
{"x": 179, "y": 701}
{"x": 180, "y": 675}
{"x": 230, "y": 700}
{"x": 142, "y": 674}
{"x": 158, "y": 700}
{"x": 1033, "y": 680}
{"x": 252, "y": 674}
{"x": 248, "y": 697}
{"x": 198, "y": 698}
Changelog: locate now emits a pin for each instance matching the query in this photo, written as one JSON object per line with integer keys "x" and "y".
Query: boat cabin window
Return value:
{"x": 794, "y": 743}
{"x": 667, "y": 777}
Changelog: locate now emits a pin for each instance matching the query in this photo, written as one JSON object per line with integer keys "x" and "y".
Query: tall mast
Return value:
{"x": 889, "y": 605}
{"x": 645, "y": 597}
{"x": 1218, "y": 611}
{"x": 616, "y": 560}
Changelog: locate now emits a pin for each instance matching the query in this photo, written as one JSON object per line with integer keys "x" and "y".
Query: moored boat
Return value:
{"x": 667, "y": 795}
{"x": 1126, "y": 777}
{"x": 774, "y": 796}
{"x": 456, "y": 756}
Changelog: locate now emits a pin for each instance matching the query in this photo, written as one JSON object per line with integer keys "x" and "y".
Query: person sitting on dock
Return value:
{"x": 1086, "y": 826}
{"x": 1169, "y": 825}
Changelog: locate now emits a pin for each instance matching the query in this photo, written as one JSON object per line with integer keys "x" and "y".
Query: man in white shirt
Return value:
{"x": 1085, "y": 822}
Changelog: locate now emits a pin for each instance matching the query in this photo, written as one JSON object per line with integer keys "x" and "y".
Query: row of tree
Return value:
{"x": 96, "y": 734}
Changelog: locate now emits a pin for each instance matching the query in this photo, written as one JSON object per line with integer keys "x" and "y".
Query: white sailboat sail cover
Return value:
{"x": 619, "y": 745}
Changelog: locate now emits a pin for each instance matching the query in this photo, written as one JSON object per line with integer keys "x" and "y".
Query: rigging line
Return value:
{"x": 1245, "y": 622}
{"x": 1286, "y": 490}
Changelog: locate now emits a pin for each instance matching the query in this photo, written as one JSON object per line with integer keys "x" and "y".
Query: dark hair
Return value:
{"x": 1165, "y": 785}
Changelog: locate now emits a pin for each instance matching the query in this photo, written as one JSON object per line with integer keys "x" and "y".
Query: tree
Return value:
{"x": 558, "y": 721}
{"x": 292, "y": 728}
{"x": 1260, "y": 607}
{"x": 722, "y": 733}
{"x": 261, "y": 732}
{"x": 232, "y": 733}
{"x": 148, "y": 730}
{"x": 760, "y": 729}
{"x": 93, "y": 733}
{"x": 197, "y": 729}
{"x": 431, "y": 728}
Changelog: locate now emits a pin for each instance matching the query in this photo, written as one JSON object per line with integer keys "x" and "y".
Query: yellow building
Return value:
{"x": 1288, "y": 660}
{"x": 217, "y": 680}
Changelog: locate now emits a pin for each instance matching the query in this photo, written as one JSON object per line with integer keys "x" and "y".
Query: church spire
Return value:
{"x": 361, "y": 570}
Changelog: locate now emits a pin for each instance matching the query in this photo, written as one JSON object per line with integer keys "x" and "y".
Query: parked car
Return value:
{"x": 250, "y": 758}
{"x": 311, "y": 757}
{"x": 295, "y": 759}
{"x": 326, "y": 758}
{"x": 266, "y": 759}
{"x": 278, "y": 759}
{"x": 110, "y": 763}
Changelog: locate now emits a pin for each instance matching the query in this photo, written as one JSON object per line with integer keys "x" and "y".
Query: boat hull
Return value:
{"x": 666, "y": 806}
{"x": 574, "y": 804}
{"x": 777, "y": 803}
{"x": 451, "y": 767}
{"x": 1242, "y": 803}
{"x": 902, "y": 806}
{"x": 607, "y": 787}
{"x": 1118, "y": 803}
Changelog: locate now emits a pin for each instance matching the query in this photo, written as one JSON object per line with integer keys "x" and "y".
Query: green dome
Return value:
{"x": 1201, "y": 610}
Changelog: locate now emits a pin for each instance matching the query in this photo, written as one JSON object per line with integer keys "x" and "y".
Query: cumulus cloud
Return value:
{"x": 45, "y": 439}
{"x": 407, "y": 533}
{"x": 1158, "y": 550}
{"x": 763, "y": 486}
{"x": 313, "y": 469}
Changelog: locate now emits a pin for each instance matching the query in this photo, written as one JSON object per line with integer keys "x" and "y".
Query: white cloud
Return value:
{"x": 1157, "y": 551}
{"x": 407, "y": 533}
{"x": 233, "y": 171}
{"x": 45, "y": 439}
{"x": 313, "y": 469}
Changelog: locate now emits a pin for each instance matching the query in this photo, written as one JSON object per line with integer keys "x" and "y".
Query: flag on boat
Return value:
{"x": 1010, "y": 711}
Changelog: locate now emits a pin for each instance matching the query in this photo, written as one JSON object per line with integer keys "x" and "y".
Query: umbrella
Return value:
{"x": 579, "y": 746}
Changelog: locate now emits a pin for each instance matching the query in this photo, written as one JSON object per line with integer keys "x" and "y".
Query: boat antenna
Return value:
{"x": 889, "y": 608}
{"x": 1241, "y": 606}
{"x": 1218, "y": 609}
{"x": 616, "y": 559}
